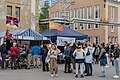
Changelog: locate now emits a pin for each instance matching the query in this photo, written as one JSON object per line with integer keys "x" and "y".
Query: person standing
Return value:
{"x": 36, "y": 53}
{"x": 3, "y": 54}
{"x": 14, "y": 52}
{"x": 102, "y": 58}
{"x": 72, "y": 49}
{"x": 79, "y": 55}
{"x": 44, "y": 52}
{"x": 89, "y": 59}
{"x": 67, "y": 58}
{"x": 52, "y": 53}
{"x": 116, "y": 56}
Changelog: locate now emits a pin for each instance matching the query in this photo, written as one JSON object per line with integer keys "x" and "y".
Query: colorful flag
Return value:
{"x": 12, "y": 22}
{"x": 56, "y": 26}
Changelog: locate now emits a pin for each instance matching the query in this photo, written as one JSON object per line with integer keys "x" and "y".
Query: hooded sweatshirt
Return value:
{"x": 89, "y": 54}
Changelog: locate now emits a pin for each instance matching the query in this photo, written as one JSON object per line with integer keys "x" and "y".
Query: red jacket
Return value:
{"x": 14, "y": 50}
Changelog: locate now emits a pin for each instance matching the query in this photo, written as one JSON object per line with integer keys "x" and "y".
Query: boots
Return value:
{"x": 102, "y": 74}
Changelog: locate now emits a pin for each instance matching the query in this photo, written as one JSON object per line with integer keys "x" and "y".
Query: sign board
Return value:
{"x": 28, "y": 38}
{"x": 61, "y": 41}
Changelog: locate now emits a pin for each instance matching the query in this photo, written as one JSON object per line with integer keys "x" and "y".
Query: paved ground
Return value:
{"x": 37, "y": 74}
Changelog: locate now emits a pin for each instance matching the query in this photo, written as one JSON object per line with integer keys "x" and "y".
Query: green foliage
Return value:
{"x": 44, "y": 15}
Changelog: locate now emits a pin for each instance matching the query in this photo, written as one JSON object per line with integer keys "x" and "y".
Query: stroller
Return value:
{"x": 21, "y": 61}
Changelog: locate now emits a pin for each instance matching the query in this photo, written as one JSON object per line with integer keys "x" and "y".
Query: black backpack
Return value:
{"x": 88, "y": 52}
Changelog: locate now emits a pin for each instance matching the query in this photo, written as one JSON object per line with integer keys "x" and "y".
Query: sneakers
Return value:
{"x": 82, "y": 76}
{"x": 56, "y": 75}
{"x": 52, "y": 75}
{"x": 76, "y": 76}
{"x": 116, "y": 77}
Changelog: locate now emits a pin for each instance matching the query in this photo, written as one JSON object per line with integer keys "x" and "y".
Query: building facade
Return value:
{"x": 92, "y": 10}
{"x": 20, "y": 9}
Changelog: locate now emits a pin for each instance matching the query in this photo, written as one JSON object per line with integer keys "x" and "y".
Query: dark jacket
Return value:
{"x": 102, "y": 54}
{"x": 3, "y": 49}
{"x": 67, "y": 52}
{"x": 44, "y": 53}
{"x": 116, "y": 53}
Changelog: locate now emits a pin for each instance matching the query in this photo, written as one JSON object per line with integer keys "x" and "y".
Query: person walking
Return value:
{"x": 116, "y": 56}
{"x": 67, "y": 58}
{"x": 3, "y": 55}
{"x": 89, "y": 59}
{"x": 79, "y": 55}
{"x": 52, "y": 53}
{"x": 14, "y": 52}
{"x": 35, "y": 54}
{"x": 102, "y": 58}
{"x": 44, "y": 52}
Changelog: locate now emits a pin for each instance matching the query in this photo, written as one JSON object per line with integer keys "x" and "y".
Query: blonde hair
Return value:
{"x": 117, "y": 43}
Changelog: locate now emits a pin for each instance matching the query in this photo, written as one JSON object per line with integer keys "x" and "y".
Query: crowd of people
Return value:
{"x": 77, "y": 57}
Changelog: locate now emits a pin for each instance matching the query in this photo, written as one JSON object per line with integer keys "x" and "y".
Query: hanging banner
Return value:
{"x": 61, "y": 41}
{"x": 12, "y": 22}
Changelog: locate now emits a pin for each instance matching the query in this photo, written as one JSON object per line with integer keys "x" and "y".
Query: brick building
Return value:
{"x": 93, "y": 10}
{"x": 20, "y": 9}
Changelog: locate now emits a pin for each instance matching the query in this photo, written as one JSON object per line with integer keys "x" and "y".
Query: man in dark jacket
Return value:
{"x": 3, "y": 54}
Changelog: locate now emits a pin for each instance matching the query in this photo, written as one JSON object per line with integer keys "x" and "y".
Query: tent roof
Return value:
{"x": 24, "y": 34}
{"x": 65, "y": 33}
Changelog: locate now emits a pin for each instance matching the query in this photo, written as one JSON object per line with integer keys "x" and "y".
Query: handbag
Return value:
{"x": 47, "y": 59}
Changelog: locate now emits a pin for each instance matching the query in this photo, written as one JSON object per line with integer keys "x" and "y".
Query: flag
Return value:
{"x": 56, "y": 26}
{"x": 12, "y": 22}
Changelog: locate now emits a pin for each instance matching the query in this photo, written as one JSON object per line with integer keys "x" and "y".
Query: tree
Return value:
{"x": 44, "y": 15}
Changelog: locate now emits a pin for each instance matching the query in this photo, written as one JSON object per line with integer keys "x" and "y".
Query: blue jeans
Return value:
{"x": 117, "y": 65}
{"x": 3, "y": 60}
{"x": 89, "y": 68}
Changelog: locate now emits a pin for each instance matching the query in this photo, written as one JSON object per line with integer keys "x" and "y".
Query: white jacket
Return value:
{"x": 79, "y": 55}
{"x": 89, "y": 58}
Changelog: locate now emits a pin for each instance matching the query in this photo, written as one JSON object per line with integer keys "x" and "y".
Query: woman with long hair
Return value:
{"x": 116, "y": 56}
{"x": 103, "y": 61}
{"x": 52, "y": 53}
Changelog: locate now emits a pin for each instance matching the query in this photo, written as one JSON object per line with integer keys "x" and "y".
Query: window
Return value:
{"x": 82, "y": 12}
{"x": 9, "y": 10}
{"x": 82, "y": 26}
{"x": 112, "y": 13}
{"x": 96, "y": 40}
{"x": 70, "y": 14}
{"x": 76, "y": 26}
{"x": 90, "y": 39}
{"x": 17, "y": 12}
{"x": 112, "y": 28}
{"x": 53, "y": 15}
{"x": 96, "y": 26}
{"x": 97, "y": 11}
{"x": 89, "y": 26}
{"x": 113, "y": 40}
{"x": 89, "y": 12}
{"x": 76, "y": 13}
{"x": 58, "y": 14}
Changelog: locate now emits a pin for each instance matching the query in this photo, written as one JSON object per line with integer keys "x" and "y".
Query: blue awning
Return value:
{"x": 65, "y": 33}
{"x": 24, "y": 34}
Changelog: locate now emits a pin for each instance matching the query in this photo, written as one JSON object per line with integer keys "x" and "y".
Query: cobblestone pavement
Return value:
{"x": 38, "y": 74}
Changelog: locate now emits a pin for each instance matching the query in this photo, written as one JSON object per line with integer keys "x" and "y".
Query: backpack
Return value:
{"x": 88, "y": 52}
